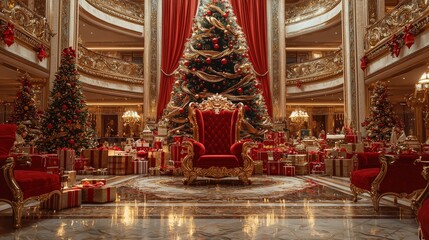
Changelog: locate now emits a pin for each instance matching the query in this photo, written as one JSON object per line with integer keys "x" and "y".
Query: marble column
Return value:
{"x": 354, "y": 84}
{"x": 277, "y": 61}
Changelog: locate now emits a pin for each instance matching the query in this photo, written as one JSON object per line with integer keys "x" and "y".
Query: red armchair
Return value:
{"x": 18, "y": 187}
{"x": 421, "y": 206}
{"x": 215, "y": 151}
{"x": 397, "y": 176}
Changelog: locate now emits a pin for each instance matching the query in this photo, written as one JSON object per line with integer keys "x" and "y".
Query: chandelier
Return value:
{"x": 420, "y": 98}
{"x": 299, "y": 116}
{"x": 131, "y": 117}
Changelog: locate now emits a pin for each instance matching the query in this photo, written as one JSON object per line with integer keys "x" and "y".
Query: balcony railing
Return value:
{"x": 317, "y": 69}
{"x": 307, "y": 9}
{"x": 405, "y": 13}
{"x": 30, "y": 27}
{"x": 107, "y": 67}
{"x": 125, "y": 9}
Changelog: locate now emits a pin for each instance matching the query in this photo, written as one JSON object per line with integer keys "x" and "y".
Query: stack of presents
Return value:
{"x": 331, "y": 157}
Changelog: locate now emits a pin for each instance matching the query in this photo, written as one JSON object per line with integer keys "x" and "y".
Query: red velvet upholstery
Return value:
{"x": 217, "y": 131}
{"x": 423, "y": 217}
{"x": 363, "y": 178}
{"x": 218, "y": 160}
{"x": 368, "y": 160}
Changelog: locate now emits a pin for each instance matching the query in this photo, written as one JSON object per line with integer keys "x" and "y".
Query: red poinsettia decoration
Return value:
{"x": 9, "y": 34}
{"x": 364, "y": 63}
{"x": 394, "y": 46}
{"x": 408, "y": 36}
{"x": 41, "y": 52}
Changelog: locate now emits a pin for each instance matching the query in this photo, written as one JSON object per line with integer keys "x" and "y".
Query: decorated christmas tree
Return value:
{"x": 66, "y": 122}
{"x": 382, "y": 118}
{"x": 25, "y": 113}
{"x": 215, "y": 60}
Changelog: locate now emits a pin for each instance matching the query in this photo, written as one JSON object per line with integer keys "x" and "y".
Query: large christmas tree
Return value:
{"x": 25, "y": 112}
{"x": 382, "y": 118}
{"x": 66, "y": 122}
{"x": 215, "y": 60}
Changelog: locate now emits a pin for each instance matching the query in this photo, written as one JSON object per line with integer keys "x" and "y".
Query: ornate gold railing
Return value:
{"x": 30, "y": 27}
{"x": 125, "y": 9}
{"x": 405, "y": 13}
{"x": 306, "y": 9}
{"x": 107, "y": 67}
{"x": 317, "y": 69}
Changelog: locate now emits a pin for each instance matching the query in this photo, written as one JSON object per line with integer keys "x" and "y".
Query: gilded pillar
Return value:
{"x": 354, "y": 84}
{"x": 277, "y": 67}
{"x": 152, "y": 59}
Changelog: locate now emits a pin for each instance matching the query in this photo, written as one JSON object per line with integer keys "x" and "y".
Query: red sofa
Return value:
{"x": 215, "y": 150}
{"x": 383, "y": 175}
{"x": 18, "y": 187}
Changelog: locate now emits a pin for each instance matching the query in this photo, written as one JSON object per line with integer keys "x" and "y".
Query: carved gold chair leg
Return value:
{"x": 354, "y": 192}
{"x": 243, "y": 177}
{"x": 376, "y": 202}
{"x": 17, "y": 209}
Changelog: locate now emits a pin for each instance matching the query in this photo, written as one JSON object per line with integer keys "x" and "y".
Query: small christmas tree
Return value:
{"x": 66, "y": 122}
{"x": 382, "y": 118}
{"x": 25, "y": 112}
{"x": 215, "y": 60}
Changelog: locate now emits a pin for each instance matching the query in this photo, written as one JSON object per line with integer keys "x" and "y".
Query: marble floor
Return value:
{"x": 273, "y": 207}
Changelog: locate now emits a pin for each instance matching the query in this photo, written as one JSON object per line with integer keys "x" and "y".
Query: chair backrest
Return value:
{"x": 216, "y": 123}
{"x": 7, "y": 138}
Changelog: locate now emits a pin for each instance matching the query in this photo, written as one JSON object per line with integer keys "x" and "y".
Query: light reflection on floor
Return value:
{"x": 268, "y": 218}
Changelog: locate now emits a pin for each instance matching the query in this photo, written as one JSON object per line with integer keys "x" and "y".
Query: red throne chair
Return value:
{"x": 18, "y": 187}
{"x": 216, "y": 150}
{"x": 384, "y": 175}
{"x": 421, "y": 205}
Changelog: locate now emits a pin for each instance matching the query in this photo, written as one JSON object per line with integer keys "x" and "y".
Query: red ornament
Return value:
{"x": 69, "y": 122}
{"x": 226, "y": 14}
{"x": 64, "y": 107}
{"x": 181, "y": 110}
{"x": 209, "y": 12}
{"x": 224, "y": 61}
{"x": 395, "y": 49}
{"x": 49, "y": 126}
{"x": 41, "y": 52}
{"x": 240, "y": 91}
{"x": 408, "y": 36}
{"x": 199, "y": 45}
{"x": 216, "y": 46}
{"x": 9, "y": 34}
{"x": 215, "y": 40}
{"x": 208, "y": 60}
{"x": 364, "y": 63}
{"x": 186, "y": 63}
{"x": 71, "y": 141}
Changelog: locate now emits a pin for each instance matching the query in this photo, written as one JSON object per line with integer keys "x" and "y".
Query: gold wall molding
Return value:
{"x": 107, "y": 67}
{"x": 125, "y": 9}
{"x": 404, "y": 14}
{"x": 30, "y": 27}
{"x": 317, "y": 69}
{"x": 307, "y": 9}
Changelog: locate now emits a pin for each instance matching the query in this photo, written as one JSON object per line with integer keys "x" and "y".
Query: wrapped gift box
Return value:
{"x": 120, "y": 165}
{"x": 98, "y": 194}
{"x": 87, "y": 181}
{"x": 97, "y": 157}
{"x": 157, "y": 158}
{"x": 157, "y": 145}
{"x": 154, "y": 171}
{"x": 301, "y": 169}
{"x": 351, "y": 138}
{"x": 140, "y": 167}
{"x": 80, "y": 163}
{"x": 299, "y": 159}
{"x": 71, "y": 180}
{"x": 69, "y": 198}
{"x": 66, "y": 158}
{"x": 340, "y": 167}
{"x": 289, "y": 171}
{"x": 352, "y": 147}
{"x": 273, "y": 168}
{"x": 258, "y": 168}
{"x": 316, "y": 167}
{"x": 178, "y": 152}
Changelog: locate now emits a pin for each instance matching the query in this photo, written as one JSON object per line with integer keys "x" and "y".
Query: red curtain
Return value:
{"x": 252, "y": 17}
{"x": 177, "y": 18}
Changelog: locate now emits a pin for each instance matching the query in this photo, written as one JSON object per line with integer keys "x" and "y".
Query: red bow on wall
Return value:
{"x": 9, "y": 34}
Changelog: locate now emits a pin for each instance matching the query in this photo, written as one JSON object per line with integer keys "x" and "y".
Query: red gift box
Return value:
{"x": 351, "y": 138}
{"x": 340, "y": 167}
{"x": 178, "y": 152}
{"x": 98, "y": 194}
{"x": 69, "y": 198}
{"x": 80, "y": 163}
{"x": 67, "y": 158}
{"x": 273, "y": 168}
{"x": 156, "y": 158}
{"x": 140, "y": 167}
{"x": 289, "y": 171}
{"x": 157, "y": 145}
{"x": 120, "y": 165}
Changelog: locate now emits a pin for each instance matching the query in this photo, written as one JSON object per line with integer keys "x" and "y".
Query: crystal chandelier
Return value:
{"x": 131, "y": 117}
{"x": 299, "y": 116}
